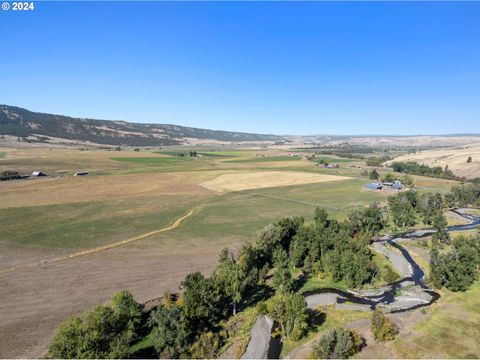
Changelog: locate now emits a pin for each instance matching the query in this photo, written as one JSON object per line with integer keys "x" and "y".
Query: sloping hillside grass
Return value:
{"x": 451, "y": 330}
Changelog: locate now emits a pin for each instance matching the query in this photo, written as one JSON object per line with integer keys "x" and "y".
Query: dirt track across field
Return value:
{"x": 175, "y": 225}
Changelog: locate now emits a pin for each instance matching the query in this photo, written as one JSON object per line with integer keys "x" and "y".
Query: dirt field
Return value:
{"x": 265, "y": 179}
{"x": 455, "y": 158}
{"x": 35, "y": 301}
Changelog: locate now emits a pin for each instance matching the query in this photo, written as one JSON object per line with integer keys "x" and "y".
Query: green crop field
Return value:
{"x": 332, "y": 159}
{"x": 152, "y": 160}
{"x": 81, "y": 225}
{"x": 266, "y": 159}
{"x": 213, "y": 154}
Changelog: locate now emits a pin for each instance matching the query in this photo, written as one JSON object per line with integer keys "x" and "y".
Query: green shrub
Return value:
{"x": 91, "y": 336}
{"x": 338, "y": 343}
{"x": 389, "y": 275}
{"x": 169, "y": 331}
{"x": 383, "y": 328}
{"x": 104, "y": 331}
{"x": 206, "y": 346}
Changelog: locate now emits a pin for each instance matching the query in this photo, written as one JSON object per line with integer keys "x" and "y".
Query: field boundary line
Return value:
{"x": 97, "y": 249}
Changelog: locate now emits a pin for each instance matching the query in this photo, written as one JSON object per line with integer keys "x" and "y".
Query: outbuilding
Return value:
{"x": 397, "y": 185}
{"x": 374, "y": 186}
{"x": 38, "y": 173}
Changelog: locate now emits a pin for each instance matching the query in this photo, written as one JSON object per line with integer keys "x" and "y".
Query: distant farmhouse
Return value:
{"x": 38, "y": 173}
{"x": 81, "y": 173}
{"x": 396, "y": 185}
{"x": 328, "y": 166}
{"x": 386, "y": 185}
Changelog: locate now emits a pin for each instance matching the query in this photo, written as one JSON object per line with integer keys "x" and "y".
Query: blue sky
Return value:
{"x": 276, "y": 67}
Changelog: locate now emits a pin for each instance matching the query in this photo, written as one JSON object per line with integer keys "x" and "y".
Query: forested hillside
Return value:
{"x": 40, "y": 127}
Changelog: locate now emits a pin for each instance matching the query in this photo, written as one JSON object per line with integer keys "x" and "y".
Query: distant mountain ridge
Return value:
{"x": 39, "y": 127}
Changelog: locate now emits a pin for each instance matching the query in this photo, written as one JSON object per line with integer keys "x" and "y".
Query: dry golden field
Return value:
{"x": 266, "y": 179}
{"x": 455, "y": 158}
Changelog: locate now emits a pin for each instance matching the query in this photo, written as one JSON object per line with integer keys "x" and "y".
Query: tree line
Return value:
{"x": 414, "y": 168}
{"x": 377, "y": 160}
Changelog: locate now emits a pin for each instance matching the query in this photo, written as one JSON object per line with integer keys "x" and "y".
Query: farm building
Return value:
{"x": 395, "y": 185}
{"x": 81, "y": 173}
{"x": 38, "y": 173}
{"x": 374, "y": 186}
{"x": 329, "y": 166}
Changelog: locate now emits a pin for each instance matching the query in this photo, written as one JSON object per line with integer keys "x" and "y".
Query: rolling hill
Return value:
{"x": 455, "y": 158}
{"x": 48, "y": 128}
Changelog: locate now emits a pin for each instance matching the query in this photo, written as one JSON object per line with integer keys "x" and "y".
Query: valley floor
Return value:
{"x": 43, "y": 219}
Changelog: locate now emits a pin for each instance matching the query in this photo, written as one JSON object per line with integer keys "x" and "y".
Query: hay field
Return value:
{"x": 455, "y": 158}
{"x": 59, "y": 190}
{"x": 266, "y": 179}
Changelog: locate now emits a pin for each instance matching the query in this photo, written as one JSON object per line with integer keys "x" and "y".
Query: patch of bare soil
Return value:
{"x": 36, "y": 300}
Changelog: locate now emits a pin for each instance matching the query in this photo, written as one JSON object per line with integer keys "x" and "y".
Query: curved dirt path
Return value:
{"x": 175, "y": 225}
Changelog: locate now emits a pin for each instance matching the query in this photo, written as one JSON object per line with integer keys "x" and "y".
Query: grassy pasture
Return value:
{"x": 74, "y": 226}
{"x": 227, "y": 153}
{"x": 236, "y": 216}
{"x": 333, "y": 159}
{"x": 168, "y": 153}
{"x": 265, "y": 159}
{"x": 224, "y": 154}
{"x": 2, "y": 154}
{"x": 152, "y": 160}
{"x": 211, "y": 154}
{"x": 60, "y": 162}
{"x": 450, "y": 330}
